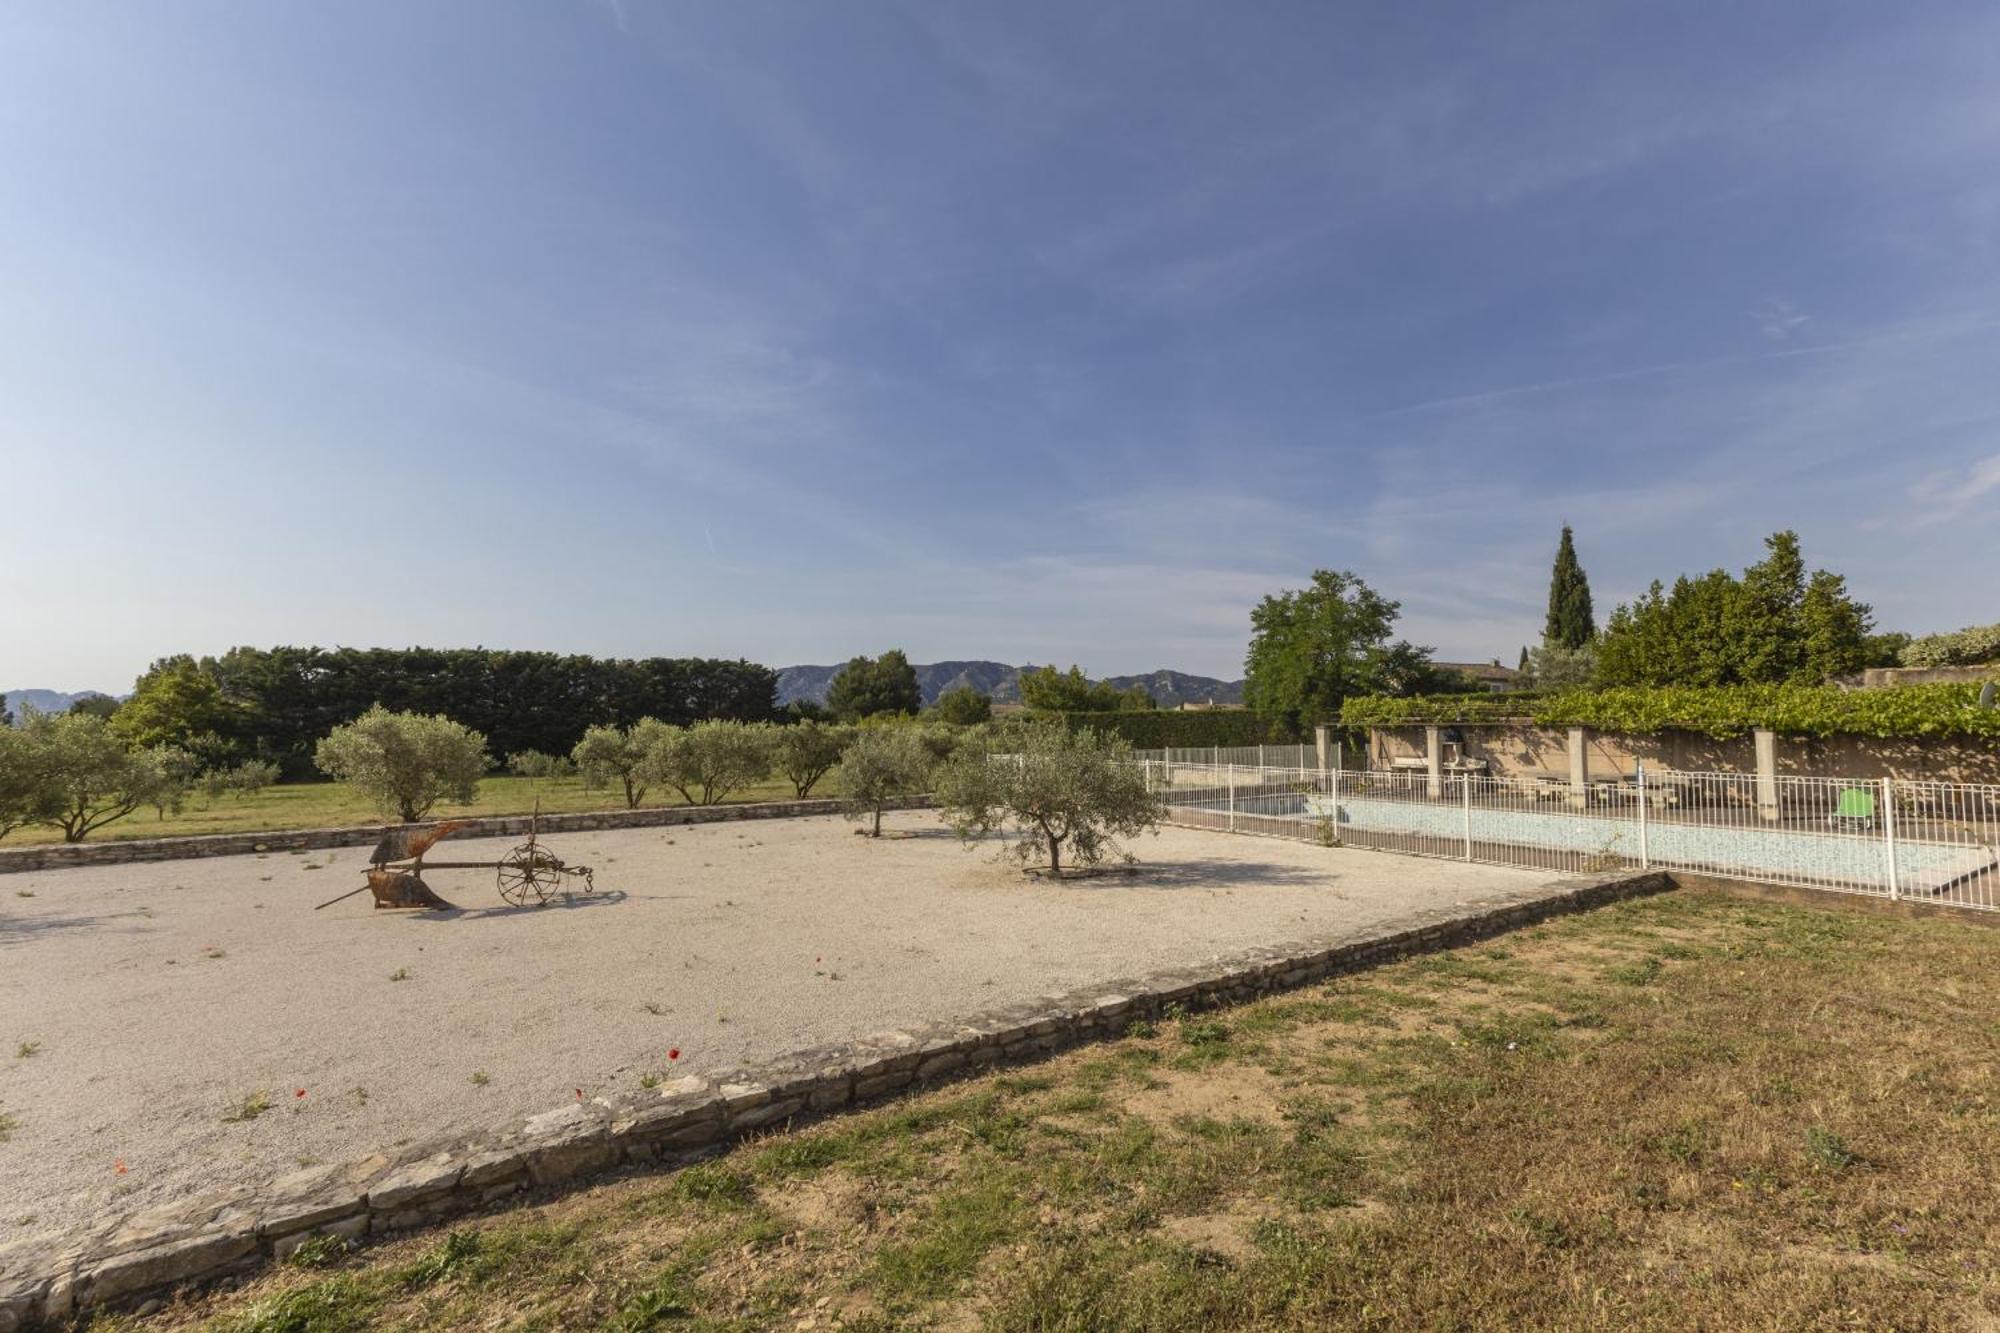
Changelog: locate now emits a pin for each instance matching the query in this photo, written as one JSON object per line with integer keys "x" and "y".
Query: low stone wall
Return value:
{"x": 125, "y": 1261}
{"x": 57, "y": 855}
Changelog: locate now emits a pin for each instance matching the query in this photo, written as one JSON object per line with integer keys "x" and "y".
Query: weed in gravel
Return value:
{"x": 24, "y": 893}
{"x": 480, "y": 1078}
{"x": 8, "y": 1124}
{"x": 249, "y": 1108}
{"x": 26, "y": 1049}
{"x": 400, "y": 974}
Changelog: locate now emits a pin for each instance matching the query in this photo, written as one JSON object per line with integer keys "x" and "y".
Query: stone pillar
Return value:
{"x": 1579, "y": 767}
{"x": 1433, "y": 762}
{"x": 1319, "y": 744}
{"x": 1767, "y": 774}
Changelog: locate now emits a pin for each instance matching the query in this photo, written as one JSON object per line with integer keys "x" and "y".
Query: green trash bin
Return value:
{"x": 1856, "y": 806}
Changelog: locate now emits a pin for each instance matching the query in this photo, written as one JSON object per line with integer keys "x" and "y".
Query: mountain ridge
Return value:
{"x": 1002, "y": 683}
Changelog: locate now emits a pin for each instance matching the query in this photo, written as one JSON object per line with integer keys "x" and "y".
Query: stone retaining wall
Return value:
{"x": 125, "y": 1261}
{"x": 58, "y": 855}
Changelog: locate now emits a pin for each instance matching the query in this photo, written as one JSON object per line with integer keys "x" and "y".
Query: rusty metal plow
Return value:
{"x": 529, "y": 874}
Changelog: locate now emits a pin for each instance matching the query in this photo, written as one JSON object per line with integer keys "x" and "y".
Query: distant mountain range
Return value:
{"x": 1003, "y": 683}
{"x": 43, "y": 701}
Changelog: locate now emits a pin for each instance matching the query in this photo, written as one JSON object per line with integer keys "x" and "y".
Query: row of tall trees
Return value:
{"x": 276, "y": 704}
{"x": 1775, "y": 623}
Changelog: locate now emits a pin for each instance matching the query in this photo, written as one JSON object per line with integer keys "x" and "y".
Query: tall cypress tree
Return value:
{"x": 1570, "y": 623}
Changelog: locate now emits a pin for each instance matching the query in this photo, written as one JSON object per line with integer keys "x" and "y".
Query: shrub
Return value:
{"x": 539, "y": 767}
{"x": 1972, "y": 646}
{"x": 405, "y": 762}
{"x": 1061, "y": 788}
{"x": 1159, "y": 728}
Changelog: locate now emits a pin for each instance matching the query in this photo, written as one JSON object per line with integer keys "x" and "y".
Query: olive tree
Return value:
{"x": 882, "y": 764}
{"x": 20, "y": 780}
{"x": 72, "y": 770}
{"x": 807, "y": 751}
{"x": 607, "y": 755}
{"x": 405, "y": 762}
{"x": 1058, "y": 789}
{"x": 709, "y": 760}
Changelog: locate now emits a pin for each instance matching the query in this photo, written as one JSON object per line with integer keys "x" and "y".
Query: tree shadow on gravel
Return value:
{"x": 1200, "y": 873}
{"x": 22, "y": 930}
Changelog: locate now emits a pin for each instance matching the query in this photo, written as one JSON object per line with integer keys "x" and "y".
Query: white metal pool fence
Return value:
{"x": 1921, "y": 841}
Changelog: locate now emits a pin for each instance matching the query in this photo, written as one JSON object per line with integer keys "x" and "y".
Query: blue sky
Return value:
{"x": 1029, "y": 331}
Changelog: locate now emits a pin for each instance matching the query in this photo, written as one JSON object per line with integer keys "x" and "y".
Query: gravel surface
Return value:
{"x": 146, "y": 1010}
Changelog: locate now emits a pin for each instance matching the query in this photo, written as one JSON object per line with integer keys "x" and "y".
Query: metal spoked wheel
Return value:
{"x": 528, "y": 874}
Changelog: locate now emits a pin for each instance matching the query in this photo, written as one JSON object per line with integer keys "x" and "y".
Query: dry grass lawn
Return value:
{"x": 1686, "y": 1112}
{"x": 310, "y": 805}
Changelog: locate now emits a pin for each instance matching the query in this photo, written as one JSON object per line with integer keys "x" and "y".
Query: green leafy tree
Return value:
{"x": 178, "y": 702}
{"x": 708, "y": 761}
{"x": 1060, "y": 792}
{"x": 880, "y": 765}
{"x": 963, "y": 706}
{"x": 405, "y": 762}
{"x": 100, "y": 706}
{"x": 82, "y": 775}
{"x": 1570, "y": 623}
{"x": 21, "y": 788}
{"x": 608, "y": 756}
{"x": 1313, "y": 648}
{"x": 872, "y": 686}
{"x": 1774, "y": 625}
{"x": 807, "y": 751}
{"x": 1053, "y": 691}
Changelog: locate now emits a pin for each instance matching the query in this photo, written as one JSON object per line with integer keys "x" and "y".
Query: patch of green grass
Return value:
{"x": 249, "y": 1108}
{"x": 1642, "y": 973}
{"x": 336, "y": 1304}
{"x": 322, "y": 1251}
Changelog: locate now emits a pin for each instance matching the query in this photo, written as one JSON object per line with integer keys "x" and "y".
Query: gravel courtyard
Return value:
{"x": 147, "y": 1011}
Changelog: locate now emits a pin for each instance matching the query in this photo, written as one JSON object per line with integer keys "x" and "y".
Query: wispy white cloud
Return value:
{"x": 1943, "y": 496}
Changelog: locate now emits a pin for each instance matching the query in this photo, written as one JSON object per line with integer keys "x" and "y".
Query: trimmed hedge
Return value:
{"x": 1163, "y": 728}
{"x": 1899, "y": 712}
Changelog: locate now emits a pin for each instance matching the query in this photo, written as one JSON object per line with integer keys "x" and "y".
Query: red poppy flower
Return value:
{"x": 119, "y": 1166}
{"x": 298, "y": 1092}
{"x": 579, "y": 1094}
{"x": 674, "y": 1054}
